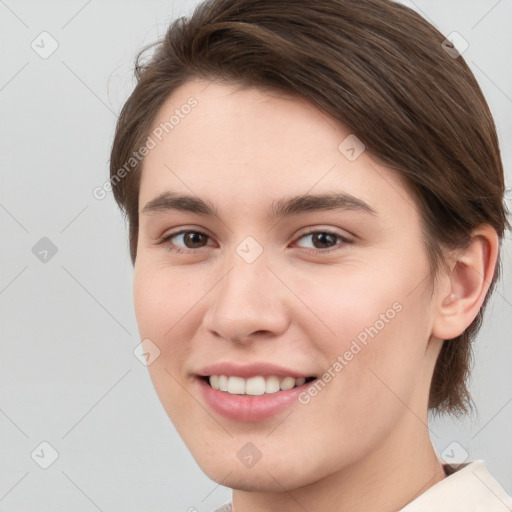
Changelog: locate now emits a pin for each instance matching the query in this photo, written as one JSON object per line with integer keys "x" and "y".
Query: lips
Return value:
{"x": 250, "y": 392}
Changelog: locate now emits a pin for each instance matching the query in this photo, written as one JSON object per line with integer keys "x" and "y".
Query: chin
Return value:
{"x": 252, "y": 480}
{"x": 272, "y": 475}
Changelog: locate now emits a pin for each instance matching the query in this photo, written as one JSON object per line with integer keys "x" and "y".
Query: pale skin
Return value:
{"x": 363, "y": 442}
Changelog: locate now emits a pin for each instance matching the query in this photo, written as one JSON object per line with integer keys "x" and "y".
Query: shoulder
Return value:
{"x": 468, "y": 488}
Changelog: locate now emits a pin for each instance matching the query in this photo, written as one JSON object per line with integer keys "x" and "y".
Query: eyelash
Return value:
{"x": 172, "y": 248}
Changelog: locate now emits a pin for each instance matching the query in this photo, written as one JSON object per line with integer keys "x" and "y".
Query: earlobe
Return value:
{"x": 469, "y": 281}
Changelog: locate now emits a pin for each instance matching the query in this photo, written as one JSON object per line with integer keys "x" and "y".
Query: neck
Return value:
{"x": 393, "y": 475}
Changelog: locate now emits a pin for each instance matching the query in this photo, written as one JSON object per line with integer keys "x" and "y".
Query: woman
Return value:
{"x": 315, "y": 199}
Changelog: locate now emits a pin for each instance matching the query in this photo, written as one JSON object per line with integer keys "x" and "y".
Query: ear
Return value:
{"x": 467, "y": 284}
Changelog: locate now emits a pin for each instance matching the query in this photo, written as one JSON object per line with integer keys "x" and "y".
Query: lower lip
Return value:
{"x": 247, "y": 407}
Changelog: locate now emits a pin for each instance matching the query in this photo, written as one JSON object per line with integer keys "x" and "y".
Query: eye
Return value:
{"x": 318, "y": 241}
{"x": 323, "y": 241}
{"x": 184, "y": 240}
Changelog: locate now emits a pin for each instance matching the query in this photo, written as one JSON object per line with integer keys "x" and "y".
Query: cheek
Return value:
{"x": 353, "y": 300}
{"x": 165, "y": 303}
{"x": 371, "y": 329}
{"x": 163, "y": 298}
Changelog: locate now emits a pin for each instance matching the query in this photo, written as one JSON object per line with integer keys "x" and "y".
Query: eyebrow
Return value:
{"x": 169, "y": 201}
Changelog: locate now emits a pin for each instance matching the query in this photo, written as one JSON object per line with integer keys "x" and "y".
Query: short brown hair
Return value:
{"x": 381, "y": 70}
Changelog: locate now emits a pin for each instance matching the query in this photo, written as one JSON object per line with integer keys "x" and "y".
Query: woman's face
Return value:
{"x": 289, "y": 255}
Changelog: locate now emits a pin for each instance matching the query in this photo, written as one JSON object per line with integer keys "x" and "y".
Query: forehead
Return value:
{"x": 246, "y": 146}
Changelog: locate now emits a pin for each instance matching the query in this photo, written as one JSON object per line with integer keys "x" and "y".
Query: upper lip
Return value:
{"x": 250, "y": 370}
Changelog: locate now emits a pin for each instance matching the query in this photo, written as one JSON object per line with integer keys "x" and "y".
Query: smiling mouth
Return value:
{"x": 255, "y": 386}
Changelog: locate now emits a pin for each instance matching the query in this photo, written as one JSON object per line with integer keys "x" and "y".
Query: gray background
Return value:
{"x": 68, "y": 373}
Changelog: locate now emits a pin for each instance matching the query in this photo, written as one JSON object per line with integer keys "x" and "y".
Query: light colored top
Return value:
{"x": 468, "y": 488}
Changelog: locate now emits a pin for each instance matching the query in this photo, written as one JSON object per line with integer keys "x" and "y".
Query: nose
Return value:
{"x": 248, "y": 303}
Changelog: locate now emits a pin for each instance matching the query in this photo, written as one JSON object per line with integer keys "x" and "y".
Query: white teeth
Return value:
{"x": 287, "y": 383}
{"x": 254, "y": 385}
{"x": 236, "y": 385}
{"x": 223, "y": 383}
{"x": 272, "y": 385}
{"x": 214, "y": 381}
